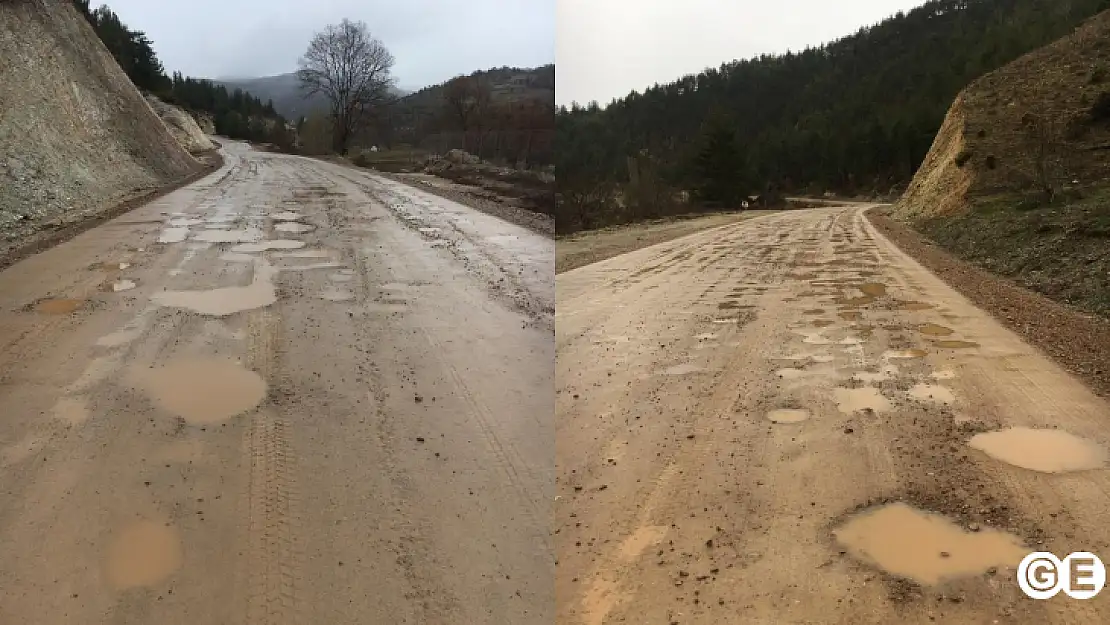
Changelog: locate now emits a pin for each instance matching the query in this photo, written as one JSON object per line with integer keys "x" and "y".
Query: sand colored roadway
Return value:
{"x": 728, "y": 402}
{"x": 354, "y": 429}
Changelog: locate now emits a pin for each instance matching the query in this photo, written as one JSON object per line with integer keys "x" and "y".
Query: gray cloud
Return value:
{"x": 610, "y": 47}
{"x": 432, "y": 40}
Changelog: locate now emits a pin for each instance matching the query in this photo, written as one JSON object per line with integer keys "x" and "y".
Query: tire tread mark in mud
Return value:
{"x": 272, "y": 511}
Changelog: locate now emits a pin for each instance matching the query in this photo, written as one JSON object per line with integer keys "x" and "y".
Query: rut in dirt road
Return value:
{"x": 788, "y": 420}
{"x": 319, "y": 397}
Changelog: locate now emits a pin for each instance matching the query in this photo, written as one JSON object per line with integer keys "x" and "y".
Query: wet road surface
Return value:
{"x": 787, "y": 420}
{"x": 291, "y": 392}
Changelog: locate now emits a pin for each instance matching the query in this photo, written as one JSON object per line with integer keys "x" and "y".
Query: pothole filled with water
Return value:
{"x": 932, "y": 329}
{"x": 202, "y": 390}
{"x": 873, "y": 289}
{"x": 59, "y": 306}
{"x": 788, "y": 415}
{"x": 924, "y": 547}
{"x": 142, "y": 554}
{"x": 262, "y": 246}
{"x": 1047, "y": 451}
{"x": 931, "y": 393}
{"x": 951, "y": 344}
{"x": 292, "y": 226}
{"x": 849, "y": 400}
{"x": 904, "y": 354}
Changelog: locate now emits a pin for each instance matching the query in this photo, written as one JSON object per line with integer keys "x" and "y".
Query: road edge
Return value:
{"x": 43, "y": 240}
{"x": 1044, "y": 323}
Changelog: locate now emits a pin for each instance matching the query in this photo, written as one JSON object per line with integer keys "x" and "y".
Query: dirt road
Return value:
{"x": 288, "y": 393}
{"x": 787, "y": 420}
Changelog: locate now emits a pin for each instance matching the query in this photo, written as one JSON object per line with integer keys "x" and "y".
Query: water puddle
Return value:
{"x": 933, "y": 393}
{"x": 122, "y": 285}
{"x": 822, "y": 323}
{"x": 227, "y": 300}
{"x": 873, "y": 289}
{"x": 262, "y": 246}
{"x": 924, "y": 547}
{"x": 217, "y": 226}
{"x": 727, "y": 305}
{"x": 1047, "y": 451}
{"x": 285, "y": 216}
{"x": 817, "y": 339}
{"x": 853, "y": 302}
{"x": 60, "y": 306}
{"x": 202, "y": 390}
{"x": 184, "y": 222}
{"x": 950, "y": 344}
{"x": 932, "y": 329}
{"x": 333, "y": 294}
{"x": 912, "y": 306}
{"x": 849, "y": 400}
{"x": 143, "y": 554}
{"x": 236, "y": 257}
{"x": 682, "y": 369}
{"x": 787, "y": 415}
{"x": 173, "y": 235}
{"x": 305, "y": 254}
{"x": 246, "y": 235}
{"x": 813, "y": 311}
{"x": 292, "y": 226}
{"x": 849, "y": 315}
{"x": 340, "y": 277}
{"x": 904, "y": 354}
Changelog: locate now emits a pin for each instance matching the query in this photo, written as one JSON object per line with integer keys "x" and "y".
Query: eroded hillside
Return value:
{"x": 1018, "y": 178}
{"x": 76, "y": 136}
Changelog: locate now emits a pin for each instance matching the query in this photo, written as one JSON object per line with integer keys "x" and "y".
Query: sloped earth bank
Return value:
{"x": 287, "y": 393}
{"x": 778, "y": 421}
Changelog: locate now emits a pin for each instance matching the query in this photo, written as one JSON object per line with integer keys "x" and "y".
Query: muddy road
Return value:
{"x": 787, "y": 420}
{"x": 291, "y": 392}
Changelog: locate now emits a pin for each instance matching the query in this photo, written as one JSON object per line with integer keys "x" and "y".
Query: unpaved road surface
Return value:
{"x": 788, "y": 420}
{"x": 353, "y": 426}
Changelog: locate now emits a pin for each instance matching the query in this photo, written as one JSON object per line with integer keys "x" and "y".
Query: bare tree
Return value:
{"x": 352, "y": 69}
{"x": 468, "y": 101}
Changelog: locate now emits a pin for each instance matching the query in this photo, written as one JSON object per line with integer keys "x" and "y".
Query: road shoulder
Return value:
{"x": 1078, "y": 342}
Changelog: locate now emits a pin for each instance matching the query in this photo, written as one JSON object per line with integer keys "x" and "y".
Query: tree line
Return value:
{"x": 235, "y": 114}
{"x": 853, "y": 116}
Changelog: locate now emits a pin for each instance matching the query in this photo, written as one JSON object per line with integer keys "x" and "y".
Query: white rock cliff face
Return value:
{"x": 182, "y": 125}
{"x": 76, "y": 136}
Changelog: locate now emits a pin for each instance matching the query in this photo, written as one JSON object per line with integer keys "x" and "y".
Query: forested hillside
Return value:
{"x": 235, "y": 113}
{"x": 856, "y": 115}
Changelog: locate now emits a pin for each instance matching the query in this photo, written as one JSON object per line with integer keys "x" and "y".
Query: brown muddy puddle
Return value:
{"x": 854, "y": 302}
{"x": 262, "y": 246}
{"x": 953, "y": 344}
{"x": 58, "y": 306}
{"x": 822, "y": 323}
{"x": 912, "y": 306}
{"x": 293, "y": 226}
{"x": 221, "y": 302}
{"x": 787, "y": 415}
{"x": 924, "y": 547}
{"x": 202, "y": 390}
{"x": 904, "y": 354}
{"x": 813, "y": 311}
{"x": 1047, "y": 451}
{"x": 849, "y": 315}
{"x": 143, "y": 553}
{"x": 931, "y": 393}
{"x": 849, "y": 400}
{"x": 932, "y": 329}
{"x": 873, "y": 289}
{"x": 246, "y": 235}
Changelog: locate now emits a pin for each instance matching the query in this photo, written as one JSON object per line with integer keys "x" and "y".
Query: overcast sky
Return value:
{"x": 610, "y": 47}
{"x": 433, "y": 40}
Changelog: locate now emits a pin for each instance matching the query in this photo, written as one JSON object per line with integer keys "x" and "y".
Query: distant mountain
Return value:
{"x": 285, "y": 91}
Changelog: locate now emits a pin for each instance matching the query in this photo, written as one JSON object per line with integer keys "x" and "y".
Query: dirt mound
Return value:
{"x": 76, "y": 137}
{"x": 182, "y": 125}
{"x": 1020, "y": 126}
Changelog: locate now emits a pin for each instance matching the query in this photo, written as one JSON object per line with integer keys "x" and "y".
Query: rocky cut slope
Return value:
{"x": 76, "y": 136}
{"x": 1022, "y": 126}
{"x": 1018, "y": 178}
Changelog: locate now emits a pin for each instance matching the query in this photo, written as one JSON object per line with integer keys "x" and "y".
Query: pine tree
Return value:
{"x": 719, "y": 163}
